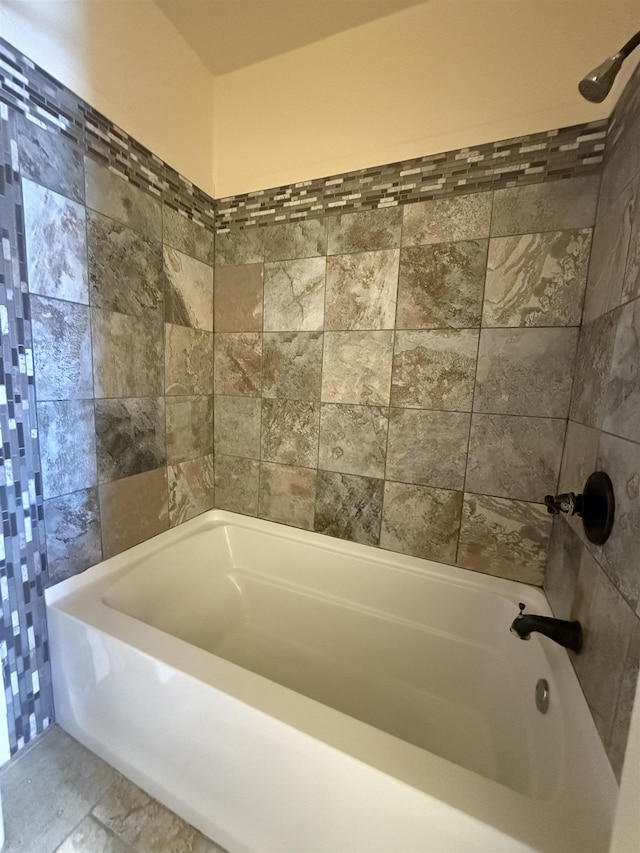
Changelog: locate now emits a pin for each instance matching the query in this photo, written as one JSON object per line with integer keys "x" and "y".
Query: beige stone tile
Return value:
{"x": 48, "y": 789}
{"x": 130, "y": 436}
{"x": 132, "y": 510}
{"x": 66, "y": 430}
{"x": 188, "y": 291}
{"x": 622, "y": 718}
{"x": 434, "y": 369}
{"x": 514, "y": 457}
{"x": 440, "y": 286}
{"x": 428, "y": 447}
{"x": 525, "y": 371}
{"x": 362, "y": 290}
{"x": 114, "y": 196}
{"x": 591, "y": 373}
{"x": 294, "y": 295}
{"x": 238, "y": 296}
{"x": 563, "y": 565}
{"x": 186, "y": 235}
{"x": 504, "y": 537}
{"x": 550, "y": 206}
{"x": 236, "y": 484}
{"x": 365, "y": 231}
{"x": 127, "y": 355}
{"x": 188, "y": 360}
{"x": 536, "y": 279}
{"x": 353, "y": 439}
{"x": 240, "y": 246}
{"x": 190, "y": 488}
{"x": 91, "y": 837}
{"x": 292, "y": 365}
{"x": 238, "y": 364}
{"x": 287, "y": 494}
{"x": 146, "y": 824}
{"x": 289, "y": 433}
{"x": 446, "y": 220}
{"x": 349, "y": 507}
{"x": 189, "y": 428}
{"x": 237, "y": 426}
{"x": 622, "y": 411}
{"x": 421, "y": 521}
{"x": 306, "y": 238}
{"x": 357, "y": 367}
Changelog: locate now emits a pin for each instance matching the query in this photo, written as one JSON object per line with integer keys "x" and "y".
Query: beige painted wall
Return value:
{"x": 441, "y": 75}
{"x": 129, "y": 62}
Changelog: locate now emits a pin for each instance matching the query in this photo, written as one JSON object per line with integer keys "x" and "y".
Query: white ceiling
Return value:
{"x": 230, "y": 34}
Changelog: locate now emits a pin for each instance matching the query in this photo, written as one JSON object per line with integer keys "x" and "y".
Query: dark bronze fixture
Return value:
{"x": 596, "y": 506}
{"x": 567, "y": 634}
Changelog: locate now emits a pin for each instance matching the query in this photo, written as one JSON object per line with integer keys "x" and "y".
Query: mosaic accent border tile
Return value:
{"x": 564, "y": 153}
{"x": 24, "y": 647}
{"x": 534, "y": 158}
{"x": 50, "y": 105}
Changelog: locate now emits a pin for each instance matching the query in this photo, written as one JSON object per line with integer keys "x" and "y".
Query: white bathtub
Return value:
{"x": 284, "y": 691}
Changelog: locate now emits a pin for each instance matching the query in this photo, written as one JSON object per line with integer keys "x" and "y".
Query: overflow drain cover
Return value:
{"x": 542, "y": 695}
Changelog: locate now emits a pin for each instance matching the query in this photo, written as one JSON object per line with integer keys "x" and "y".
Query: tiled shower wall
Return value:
{"x": 401, "y": 377}
{"x": 122, "y": 305}
{"x": 601, "y": 585}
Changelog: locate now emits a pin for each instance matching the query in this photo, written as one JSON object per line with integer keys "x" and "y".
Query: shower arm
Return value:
{"x": 596, "y": 85}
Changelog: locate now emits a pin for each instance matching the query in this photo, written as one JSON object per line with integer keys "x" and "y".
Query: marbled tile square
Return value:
{"x": 621, "y": 460}
{"x": 127, "y": 355}
{"x": 188, "y": 291}
{"x": 428, "y": 447}
{"x": 447, "y": 220}
{"x": 622, "y": 410}
{"x": 238, "y": 363}
{"x": 504, "y": 538}
{"x": 441, "y": 286}
{"x": 525, "y": 371}
{"x": 125, "y": 268}
{"x": 55, "y": 232}
{"x": 190, "y": 488}
{"x": 240, "y": 246}
{"x": 536, "y": 279}
{"x": 357, "y": 367}
{"x": 292, "y": 365}
{"x": 237, "y": 426}
{"x": 607, "y": 625}
{"x": 66, "y": 429}
{"x": 62, "y": 349}
{"x": 591, "y": 372}
{"x": 551, "y": 206}
{"x": 631, "y": 281}
{"x": 622, "y": 719}
{"x": 578, "y": 462}
{"x": 364, "y": 231}
{"x": 236, "y": 484}
{"x": 514, "y": 457}
{"x": 130, "y": 436}
{"x": 349, "y": 507}
{"x": 434, "y": 369}
{"x": 187, "y": 236}
{"x": 189, "y": 428}
{"x": 611, "y": 239}
{"x": 294, "y": 295}
{"x": 188, "y": 361}
{"x": 306, "y": 238}
{"x": 90, "y": 835}
{"x": 421, "y": 521}
{"x": 50, "y": 160}
{"x": 72, "y": 525}
{"x": 290, "y": 432}
{"x": 563, "y": 566}
{"x": 133, "y": 510}
{"x": 287, "y": 494}
{"x": 238, "y": 298}
{"x": 362, "y": 290}
{"x": 353, "y": 439}
{"x": 114, "y": 196}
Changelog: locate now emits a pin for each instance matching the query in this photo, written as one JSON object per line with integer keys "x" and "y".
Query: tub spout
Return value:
{"x": 567, "y": 634}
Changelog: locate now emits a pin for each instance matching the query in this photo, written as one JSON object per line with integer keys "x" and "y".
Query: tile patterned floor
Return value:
{"x": 58, "y": 797}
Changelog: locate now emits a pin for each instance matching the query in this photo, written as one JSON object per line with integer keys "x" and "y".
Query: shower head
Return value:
{"x": 597, "y": 84}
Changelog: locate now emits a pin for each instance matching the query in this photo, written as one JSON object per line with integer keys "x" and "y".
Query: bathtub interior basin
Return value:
{"x": 405, "y": 666}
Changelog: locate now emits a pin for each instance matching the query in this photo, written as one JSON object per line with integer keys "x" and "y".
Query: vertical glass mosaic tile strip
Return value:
{"x": 23, "y": 644}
